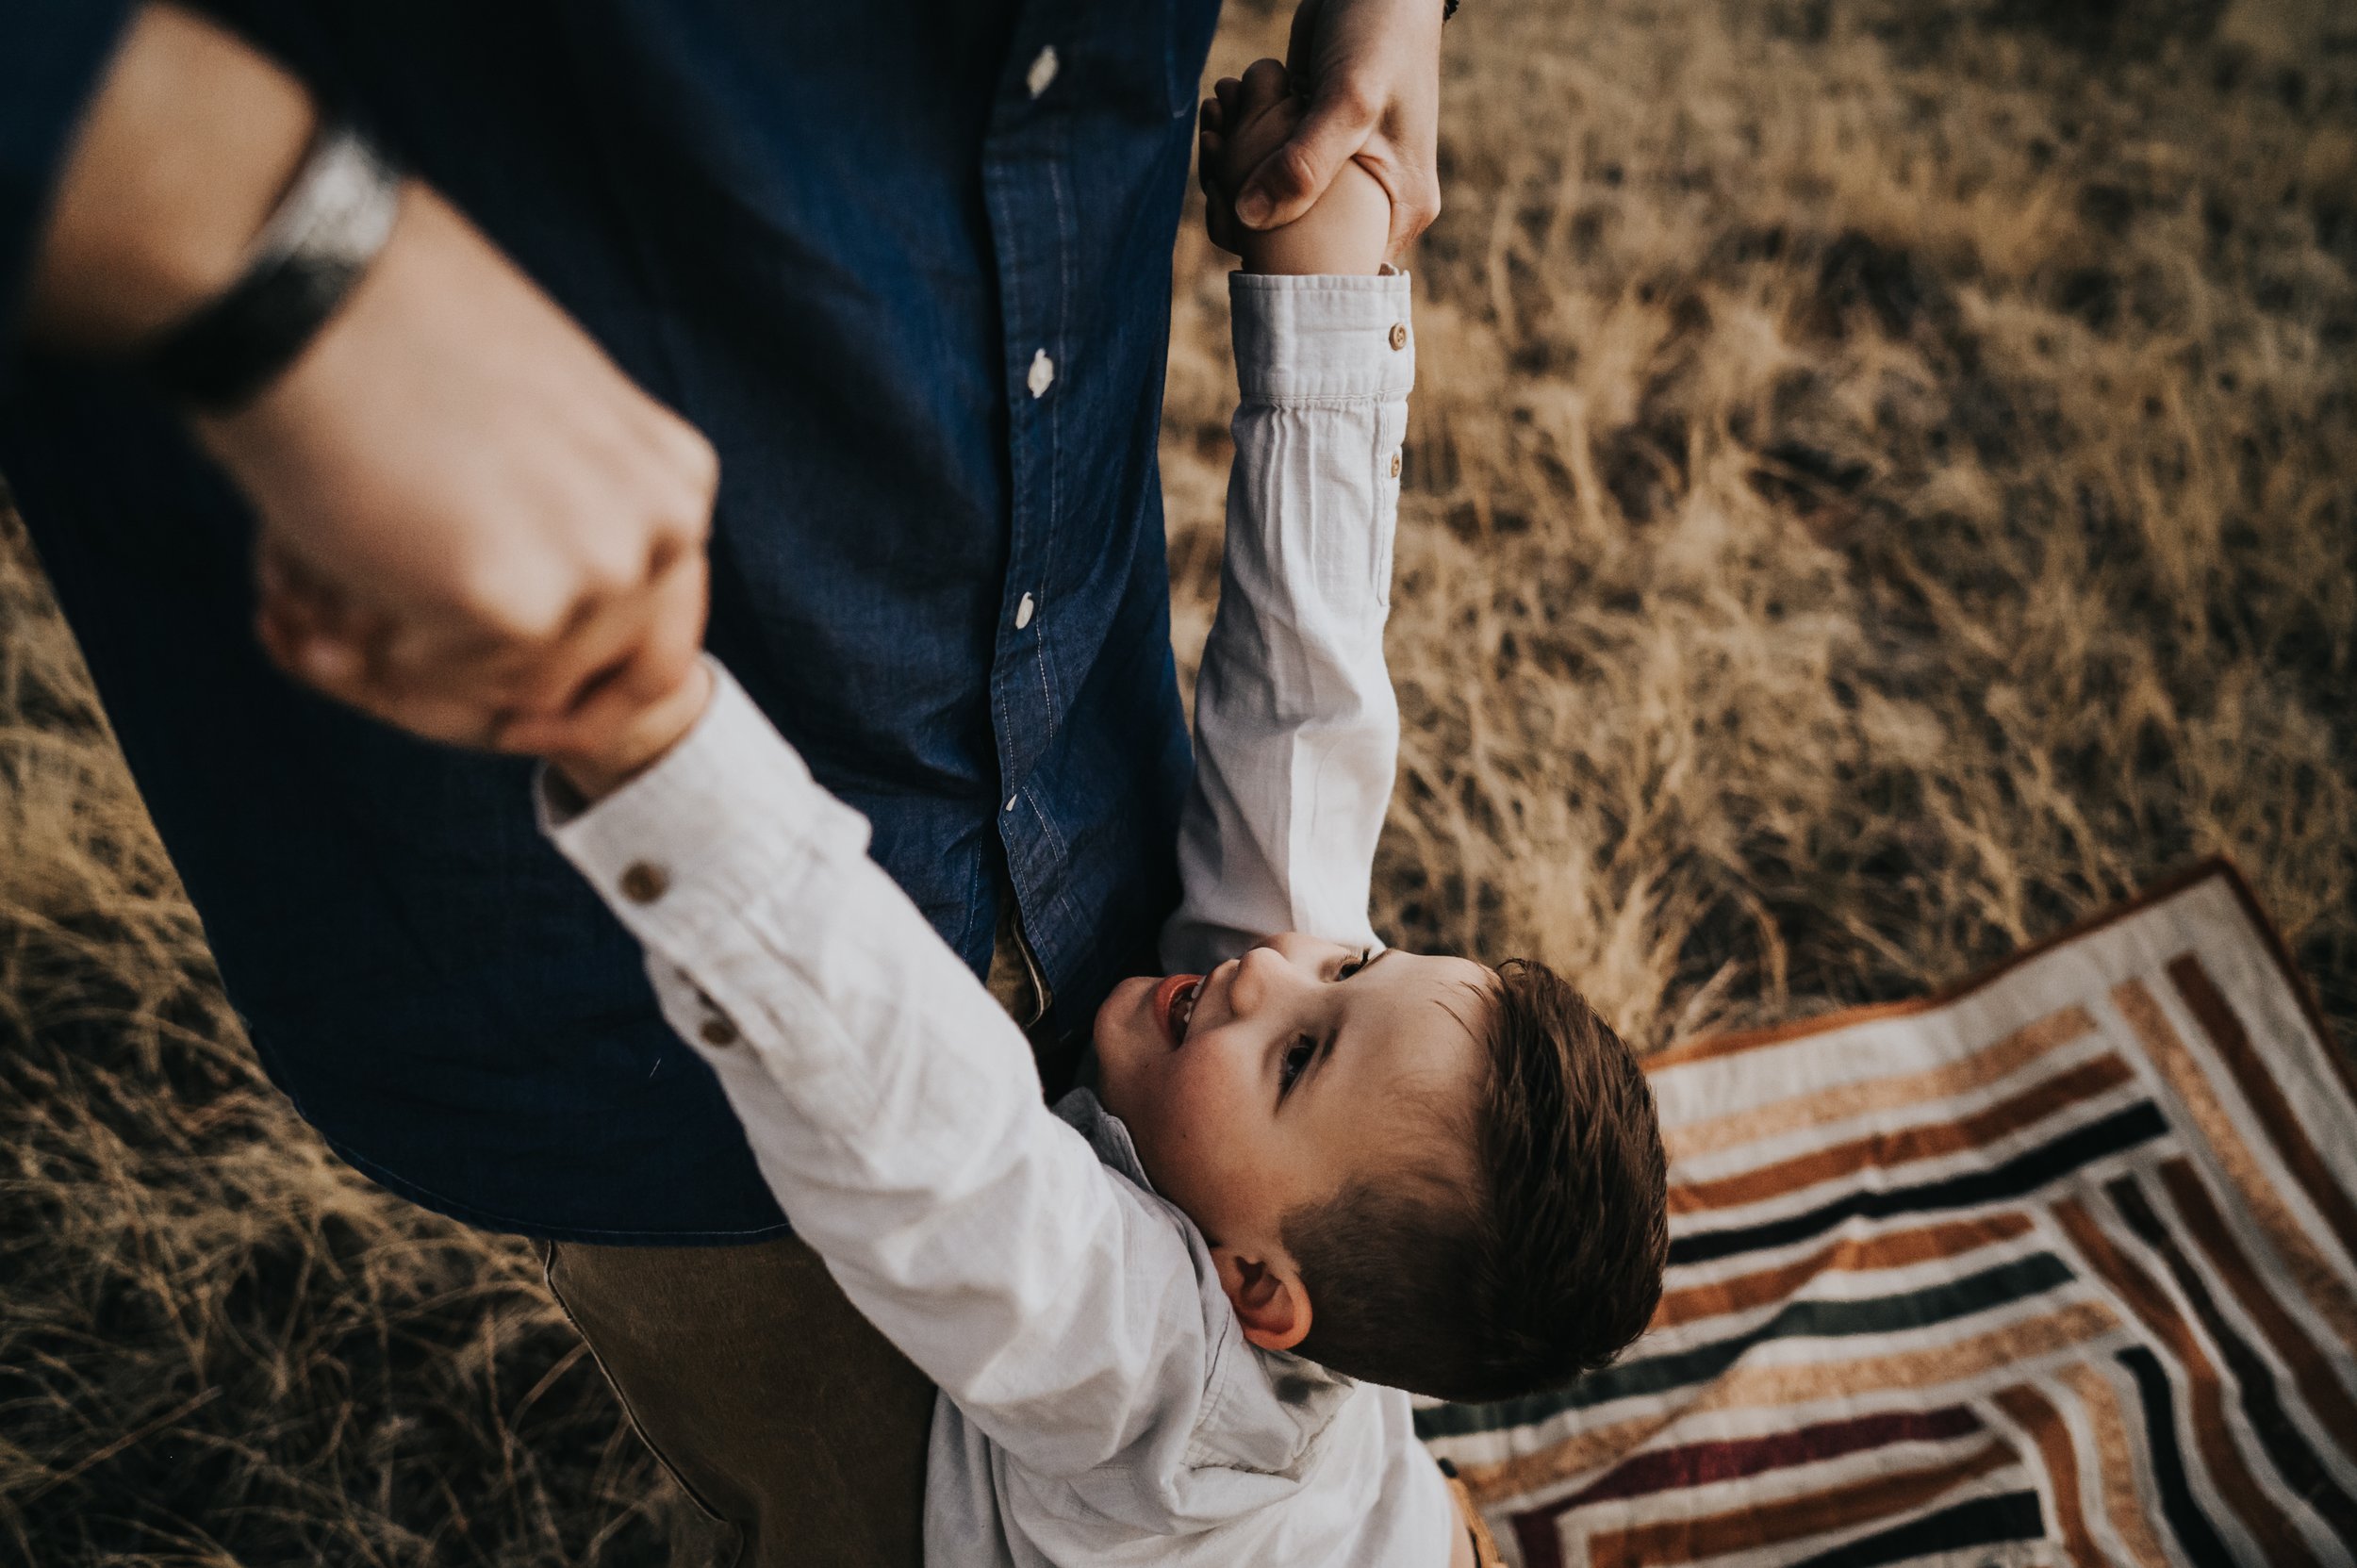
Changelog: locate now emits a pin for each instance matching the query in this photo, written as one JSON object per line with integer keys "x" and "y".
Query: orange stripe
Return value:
{"x": 2215, "y": 1015}
{"x": 1892, "y": 1250}
{"x": 2128, "y": 1510}
{"x": 1985, "y": 1065}
{"x": 1747, "y": 1387}
{"x": 1760, "y": 1525}
{"x": 2316, "y": 1277}
{"x": 1925, "y": 1141}
{"x": 2036, "y": 1415}
{"x": 2312, "y": 1371}
{"x": 2282, "y": 1544}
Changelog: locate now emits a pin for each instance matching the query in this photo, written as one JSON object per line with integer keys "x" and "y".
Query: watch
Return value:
{"x": 334, "y": 218}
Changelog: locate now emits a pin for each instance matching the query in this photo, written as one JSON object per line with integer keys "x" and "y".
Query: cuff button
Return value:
{"x": 644, "y": 882}
{"x": 1400, "y": 335}
{"x": 1394, "y": 465}
{"x": 717, "y": 1033}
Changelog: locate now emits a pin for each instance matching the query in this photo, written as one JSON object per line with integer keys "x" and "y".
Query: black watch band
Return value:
{"x": 336, "y": 216}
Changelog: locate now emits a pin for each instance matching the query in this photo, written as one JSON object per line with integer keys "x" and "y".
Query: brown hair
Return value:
{"x": 1550, "y": 1269}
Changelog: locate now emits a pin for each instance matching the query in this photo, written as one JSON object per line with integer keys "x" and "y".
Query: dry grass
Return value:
{"x": 1884, "y": 483}
{"x": 217, "y": 1344}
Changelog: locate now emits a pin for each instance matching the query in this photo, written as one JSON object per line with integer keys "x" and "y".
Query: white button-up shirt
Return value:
{"x": 1098, "y": 1402}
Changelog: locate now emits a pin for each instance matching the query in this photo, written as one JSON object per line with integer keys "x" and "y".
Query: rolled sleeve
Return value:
{"x": 51, "y": 54}
{"x": 1317, "y": 337}
{"x": 656, "y": 850}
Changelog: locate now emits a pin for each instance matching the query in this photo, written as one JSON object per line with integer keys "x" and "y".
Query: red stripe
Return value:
{"x": 1701, "y": 1463}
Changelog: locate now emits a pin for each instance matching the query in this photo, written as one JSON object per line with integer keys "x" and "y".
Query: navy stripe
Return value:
{"x": 1810, "y": 1319}
{"x": 1982, "y": 1522}
{"x": 2303, "y": 1472}
{"x": 2186, "y": 1521}
{"x": 2025, "y": 1172}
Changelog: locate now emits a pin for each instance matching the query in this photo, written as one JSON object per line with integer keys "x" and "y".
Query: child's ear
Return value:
{"x": 1269, "y": 1298}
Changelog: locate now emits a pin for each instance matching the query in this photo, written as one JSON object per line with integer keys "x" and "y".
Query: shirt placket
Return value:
{"x": 1035, "y": 229}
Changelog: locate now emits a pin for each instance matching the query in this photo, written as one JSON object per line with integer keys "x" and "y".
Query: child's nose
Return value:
{"x": 1260, "y": 974}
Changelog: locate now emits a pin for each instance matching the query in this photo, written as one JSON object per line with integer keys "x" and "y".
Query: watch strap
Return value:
{"x": 336, "y": 216}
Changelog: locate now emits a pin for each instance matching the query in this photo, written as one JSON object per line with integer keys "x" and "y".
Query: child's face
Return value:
{"x": 1282, "y": 1075}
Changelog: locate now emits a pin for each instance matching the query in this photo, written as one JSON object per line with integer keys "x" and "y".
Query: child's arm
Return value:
{"x": 891, "y": 1106}
{"x": 1296, "y": 730}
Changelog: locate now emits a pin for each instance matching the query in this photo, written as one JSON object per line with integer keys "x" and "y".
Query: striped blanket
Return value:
{"x": 2060, "y": 1268}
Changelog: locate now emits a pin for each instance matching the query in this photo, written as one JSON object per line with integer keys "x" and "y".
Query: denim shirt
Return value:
{"x": 906, "y": 262}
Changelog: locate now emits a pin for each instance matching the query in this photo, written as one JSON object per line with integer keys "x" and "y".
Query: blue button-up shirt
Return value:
{"x": 907, "y": 264}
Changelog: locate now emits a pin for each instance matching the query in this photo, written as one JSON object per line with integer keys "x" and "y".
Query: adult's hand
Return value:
{"x": 472, "y": 524}
{"x": 1372, "y": 72}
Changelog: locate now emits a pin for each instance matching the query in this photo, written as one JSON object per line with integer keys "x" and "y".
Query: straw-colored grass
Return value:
{"x": 1883, "y": 484}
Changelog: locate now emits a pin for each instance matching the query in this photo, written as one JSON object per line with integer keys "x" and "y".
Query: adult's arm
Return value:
{"x": 472, "y": 524}
{"x": 52, "y": 52}
{"x": 1296, "y": 728}
{"x": 1372, "y": 69}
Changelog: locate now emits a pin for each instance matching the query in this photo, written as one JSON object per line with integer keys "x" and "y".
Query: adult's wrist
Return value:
{"x": 337, "y": 215}
{"x": 188, "y": 145}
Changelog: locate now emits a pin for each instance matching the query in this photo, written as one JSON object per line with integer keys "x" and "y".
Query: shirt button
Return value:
{"x": 1400, "y": 335}
{"x": 1022, "y": 613}
{"x": 1043, "y": 71}
{"x": 643, "y": 881}
{"x": 1042, "y": 373}
{"x": 717, "y": 1033}
{"x": 1394, "y": 465}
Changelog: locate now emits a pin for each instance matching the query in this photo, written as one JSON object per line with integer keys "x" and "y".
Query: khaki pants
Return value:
{"x": 781, "y": 1413}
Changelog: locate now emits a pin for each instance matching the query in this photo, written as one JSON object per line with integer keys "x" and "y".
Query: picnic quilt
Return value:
{"x": 2058, "y": 1268}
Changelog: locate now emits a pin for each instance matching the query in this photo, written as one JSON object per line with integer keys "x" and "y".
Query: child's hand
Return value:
{"x": 638, "y": 742}
{"x": 1242, "y": 123}
{"x": 614, "y": 732}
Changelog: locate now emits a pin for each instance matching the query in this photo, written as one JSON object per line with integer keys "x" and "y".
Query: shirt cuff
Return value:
{"x": 1311, "y": 338}
{"x": 728, "y": 815}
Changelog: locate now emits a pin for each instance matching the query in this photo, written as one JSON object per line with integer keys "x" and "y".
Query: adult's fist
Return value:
{"x": 474, "y": 525}
{"x": 1371, "y": 71}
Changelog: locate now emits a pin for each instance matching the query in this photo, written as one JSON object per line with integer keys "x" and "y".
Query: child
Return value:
{"x": 1170, "y": 1319}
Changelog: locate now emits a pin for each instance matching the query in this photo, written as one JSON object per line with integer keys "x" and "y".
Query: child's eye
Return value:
{"x": 1296, "y": 1060}
{"x": 1357, "y": 962}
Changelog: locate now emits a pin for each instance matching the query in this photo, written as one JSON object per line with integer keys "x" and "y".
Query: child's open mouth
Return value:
{"x": 1174, "y": 1004}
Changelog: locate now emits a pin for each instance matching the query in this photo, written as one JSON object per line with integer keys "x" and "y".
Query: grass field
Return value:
{"x": 1883, "y": 484}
